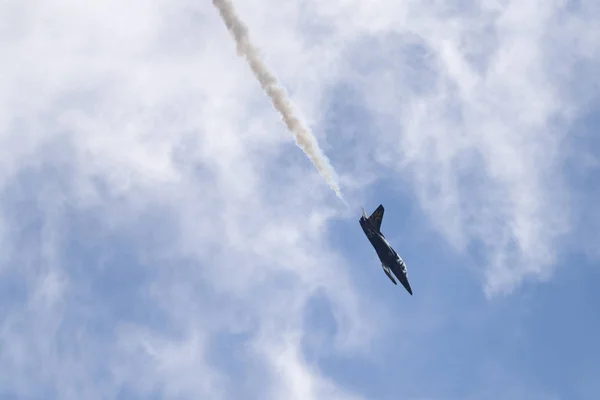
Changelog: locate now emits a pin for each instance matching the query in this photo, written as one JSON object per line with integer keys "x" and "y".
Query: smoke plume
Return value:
{"x": 304, "y": 138}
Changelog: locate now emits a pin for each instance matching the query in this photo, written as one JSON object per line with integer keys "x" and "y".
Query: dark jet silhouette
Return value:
{"x": 390, "y": 260}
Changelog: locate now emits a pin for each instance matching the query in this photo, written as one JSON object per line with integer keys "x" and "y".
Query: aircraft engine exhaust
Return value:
{"x": 302, "y": 135}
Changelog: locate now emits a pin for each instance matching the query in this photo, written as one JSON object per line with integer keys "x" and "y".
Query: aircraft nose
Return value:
{"x": 408, "y": 288}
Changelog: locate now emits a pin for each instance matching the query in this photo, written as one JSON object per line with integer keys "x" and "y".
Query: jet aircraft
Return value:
{"x": 390, "y": 260}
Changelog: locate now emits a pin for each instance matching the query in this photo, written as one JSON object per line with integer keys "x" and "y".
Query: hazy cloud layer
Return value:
{"x": 162, "y": 235}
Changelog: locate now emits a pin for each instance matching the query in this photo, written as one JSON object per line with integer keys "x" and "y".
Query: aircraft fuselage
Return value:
{"x": 387, "y": 255}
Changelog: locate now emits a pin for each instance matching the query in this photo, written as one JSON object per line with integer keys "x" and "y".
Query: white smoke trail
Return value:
{"x": 304, "y": 138}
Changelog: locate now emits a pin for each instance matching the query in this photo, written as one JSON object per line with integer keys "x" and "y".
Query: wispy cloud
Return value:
{"x": 158, "y": 235}
{"x": 481, "y": 112}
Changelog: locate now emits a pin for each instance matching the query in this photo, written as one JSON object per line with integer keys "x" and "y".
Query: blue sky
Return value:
{"x": 161, "y": 236}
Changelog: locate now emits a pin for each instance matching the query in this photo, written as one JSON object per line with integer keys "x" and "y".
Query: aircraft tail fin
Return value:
{"x": 377, "y": 217}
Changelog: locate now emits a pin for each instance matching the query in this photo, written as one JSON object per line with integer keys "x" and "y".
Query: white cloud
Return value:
{"x": 138, "y": 123}
{"x": 474, "y": 116}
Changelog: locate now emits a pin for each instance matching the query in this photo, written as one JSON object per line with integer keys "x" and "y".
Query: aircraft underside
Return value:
{"x": 391, "y": 263}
